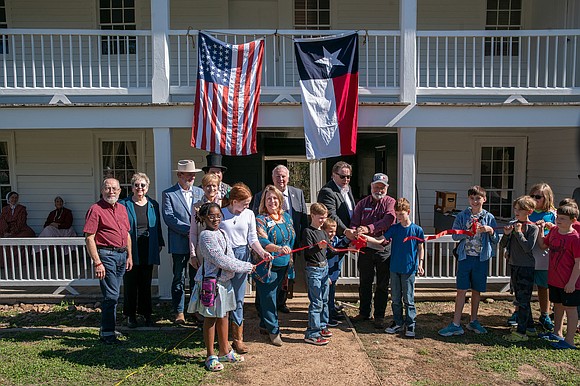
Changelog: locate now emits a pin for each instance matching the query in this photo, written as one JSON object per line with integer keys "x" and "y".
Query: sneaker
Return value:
{"x": 513, "y": 320}
{"x": 451, "y": 330}
{"x": 515, "y": 337}
{"x": 393, "y": 328}
{"x": 109, "y": 339}
{"x": 546, "y": 323}
{"x": 410, "y": 333}
{"x": 550, "y": 336}
{"x": 317, "y": 341}
{"x": 339, "y": 316}
{"x": 531, "y": 331}
{"x": 326, "y": 333}
{"x": 332, "y": 323}
{"x": 476, "y": 327}
{"x": 563, "y": 345}
{"x": 360, "y": 318}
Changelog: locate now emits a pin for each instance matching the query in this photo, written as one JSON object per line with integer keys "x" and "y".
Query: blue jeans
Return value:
{"x": 180, "y": 264}
{"x": 239, "y": 282}
{"x": 403, "y": 291}
{"x": 317, "y": 279}
{"x": 114, "y": 263}
{"x": 267, "y": 293}
{"x": 332, "y": 312}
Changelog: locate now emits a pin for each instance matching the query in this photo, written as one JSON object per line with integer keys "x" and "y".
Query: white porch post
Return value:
{"x": 160, "y": 31}
{"x": 406, "y": 166}
{"x": 161, "y": 135}
{"x": 407, "y": 136}
{"x": 408, "y": 68}
{"x": 162, "y": 153}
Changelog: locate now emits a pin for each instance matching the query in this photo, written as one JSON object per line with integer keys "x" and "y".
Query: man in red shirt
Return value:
{"x": 109, "y": 245}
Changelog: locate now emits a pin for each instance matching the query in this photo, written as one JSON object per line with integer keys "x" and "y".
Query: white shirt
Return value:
{"x": 240, "y": 228}
{"x": 344, "y": 193}
{"x": 188, "y": 195}
{"x": 287, "y": 207}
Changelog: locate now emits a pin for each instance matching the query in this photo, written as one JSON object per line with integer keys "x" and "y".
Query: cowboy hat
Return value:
{"x": 214, "y": 161}
{"x": 186, "y": 166}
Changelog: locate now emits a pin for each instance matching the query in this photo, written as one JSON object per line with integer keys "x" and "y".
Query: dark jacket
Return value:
{"x": 155, "y": 235}
{"x": 330, "y": 196}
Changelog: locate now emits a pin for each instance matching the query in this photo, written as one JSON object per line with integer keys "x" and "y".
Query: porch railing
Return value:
{"x": 64, "y": 263}
{"x": 45, "y": 262}
{"x": 505, "y": 62}
{"x": 440, "y": 265}
{"x": 90, "y": 61}
{"x": 378, "y": 59}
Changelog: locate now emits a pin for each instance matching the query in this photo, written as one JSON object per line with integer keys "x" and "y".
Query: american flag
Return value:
{"x": 227, "y": 95}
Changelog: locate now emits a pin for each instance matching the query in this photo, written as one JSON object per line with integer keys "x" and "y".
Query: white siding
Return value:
{"x": 199, "y": 14}
{"x": 365, "y": 14}
{"x": 255, "y": 13}
{"x": 52, "y": 14}
{"x": 181, "y": 149}
{"x": 450, "y": 14}
{"x": 553, "y": 158}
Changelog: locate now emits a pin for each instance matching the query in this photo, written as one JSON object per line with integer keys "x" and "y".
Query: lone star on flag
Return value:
{"x": 330, "y": 60}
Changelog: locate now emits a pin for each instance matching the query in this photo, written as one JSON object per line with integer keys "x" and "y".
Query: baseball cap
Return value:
{"x": 380, "y": 177}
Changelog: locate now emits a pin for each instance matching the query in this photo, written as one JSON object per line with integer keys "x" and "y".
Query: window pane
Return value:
{"x": 492, "y": 4}
{"x": 516, "y": 4}
{"x": 300, "y": 17}
{"x": 491, "y": 18}
{"x": 117, "y": 16}
{"x": 105, "y": 16}
{"x": 504, "y": 4}
{"x": 129, "y": 3}
{"x": 117, "y": 3}
{"x": 4, "y": 177}
{"x": 324, "y": 18}
{"x": 312, "y": 4}
{"x": 324, "y": 4}
{"x": 485, "y": 167}
{"x": 510, "y": 167}
{"x": 486, "y": 153}
{"x": 503, "y": 18}
{"x": 486, "y": 181}
{"x": 129, "y": 16}
{"x": 506, "y": 211}
{"x": 496, "y": 181}
{"x": 300, "y": 4}
{"x": 312, "y": 18}
{"x": 105, "y": 3}
{"x": 496, "y": 167}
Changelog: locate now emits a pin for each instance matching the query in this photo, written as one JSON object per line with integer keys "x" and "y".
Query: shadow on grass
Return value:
{"x": 82, "y": 347}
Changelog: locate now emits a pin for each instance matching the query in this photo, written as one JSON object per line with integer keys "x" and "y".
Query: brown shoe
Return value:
{"x": 276, "y": 340}
{"x": 379, "y": 323}
{"x": 360, "y": 318}
{"x": 238, "y": 338}
{"x": 179, "y": 318}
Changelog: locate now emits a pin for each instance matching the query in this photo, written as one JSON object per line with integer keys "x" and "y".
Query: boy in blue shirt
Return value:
{"x": 407, "y": 258}
{"x": 334, "y": 267}
{"x": 472, "y": 264}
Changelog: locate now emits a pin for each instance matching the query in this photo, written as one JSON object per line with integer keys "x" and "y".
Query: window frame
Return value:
{"x": 8, "y": 138}
{"x": 120, "y": 136}
{"x": 306, "y": 25}
{"x": 520, "y": 150}
{"x": 4, "y": 25}
{"x": 494, "y": 46}
{"x": 117, "y": 45}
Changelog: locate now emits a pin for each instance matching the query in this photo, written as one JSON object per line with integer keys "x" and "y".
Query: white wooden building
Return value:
{"x": 452, "y": 93}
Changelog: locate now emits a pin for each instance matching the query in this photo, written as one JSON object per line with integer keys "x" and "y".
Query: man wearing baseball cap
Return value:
{"x": 372, "y": 216}
{"x": 176, "y": 206}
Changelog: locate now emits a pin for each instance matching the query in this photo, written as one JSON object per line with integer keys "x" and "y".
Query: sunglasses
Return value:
{"x": 536, "y": 196}
{"x": 142, "y": 186}
{"x": 344, "y": 176}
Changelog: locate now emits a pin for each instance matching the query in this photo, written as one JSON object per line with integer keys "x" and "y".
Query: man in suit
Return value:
{"x": 295, "y": 205}
{"x": 337, "y": 196}
{"x": 177, "y": 204}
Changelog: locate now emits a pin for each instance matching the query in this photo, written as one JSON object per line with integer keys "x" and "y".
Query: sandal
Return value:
{"x": 231, "y": 357}
{"x": 212, "y": 363}
{"x": 515, "y": 337}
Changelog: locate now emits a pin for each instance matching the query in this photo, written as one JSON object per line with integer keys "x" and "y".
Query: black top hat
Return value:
{"x": 214, "y": 161}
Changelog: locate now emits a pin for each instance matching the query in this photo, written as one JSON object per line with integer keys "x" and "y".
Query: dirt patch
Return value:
{"x": 341, "y": 362}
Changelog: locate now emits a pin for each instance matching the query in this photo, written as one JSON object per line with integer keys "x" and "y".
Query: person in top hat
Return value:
{"x": 177, "y": 205}
{"x": 214, "y": 165}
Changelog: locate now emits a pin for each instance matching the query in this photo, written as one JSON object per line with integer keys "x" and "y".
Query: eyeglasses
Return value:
{"x": 343, "y": 176}
{"x": 536, "y": 196}
{"x": 142, "y": 185}
{"x": 213, "y": 217}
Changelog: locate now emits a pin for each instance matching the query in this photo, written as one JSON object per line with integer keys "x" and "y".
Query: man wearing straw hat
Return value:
{"x": 177, "y": 203}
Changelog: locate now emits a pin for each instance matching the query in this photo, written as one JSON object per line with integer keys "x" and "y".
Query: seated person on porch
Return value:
{"x": 13, "y": 219}
{"x": 59, "y": 221}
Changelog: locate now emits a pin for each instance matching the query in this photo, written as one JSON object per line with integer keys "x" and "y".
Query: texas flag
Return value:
{"x": 328, "y": 69}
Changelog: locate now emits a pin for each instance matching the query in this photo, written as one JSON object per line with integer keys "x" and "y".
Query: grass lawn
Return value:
{"x": 67, "y": 356}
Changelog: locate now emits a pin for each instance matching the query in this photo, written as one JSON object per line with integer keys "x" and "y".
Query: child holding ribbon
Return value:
{"x": 218, "y": 267}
